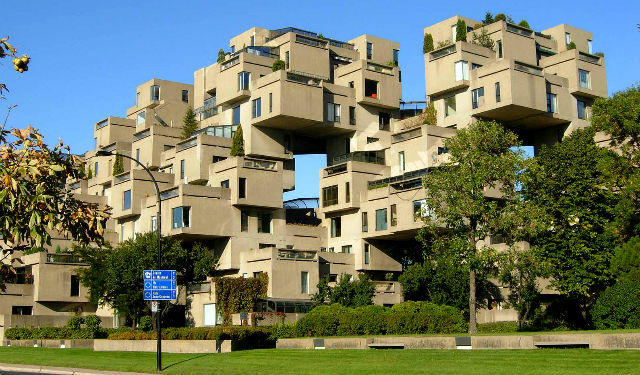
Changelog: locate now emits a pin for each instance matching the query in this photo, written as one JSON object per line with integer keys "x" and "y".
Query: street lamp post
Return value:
{"x": 159, "y": 260}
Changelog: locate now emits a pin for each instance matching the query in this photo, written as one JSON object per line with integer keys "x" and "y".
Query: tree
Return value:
{"x": 34, "y": 202}
{"x": 431, "y": 114}
{"x": 571, "y": 45}
{"x": 347, "y": 292}
{"x": 500, "y": 17}
{"x": 524, "y": 24}
{"x": 566, "y": 182}
{"x": 483, "y": 39}
{"x": 221, "y": 56}
{"x": 427, "y": 44}
{"x": 461, "y": 31}
{"x": 237, "y": 147}
{"x": 114, "y": 276}
{"x": 482, "y": 157}
{"x": 118, "y": 165}
{"x": 488, "y": 18}
{"x": 189, "y": 124}
{"x": 278, "y": 65}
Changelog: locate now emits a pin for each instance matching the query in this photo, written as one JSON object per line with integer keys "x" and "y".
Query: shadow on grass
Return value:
{"x": 186, "y": 360}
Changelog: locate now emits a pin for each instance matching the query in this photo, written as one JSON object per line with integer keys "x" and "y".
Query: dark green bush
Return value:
{"x": 75, "y": 322}
{"x": 146, "y": 323}
{"x": 524, "y": 24}
{"x": 617, "y": 307}
{"x": 461, "y": 31}
{"x": 427, "y": 44}
{"x": 92, "y": 323}
{"x": 321, "y": 321}
{"x": 571, "y": 45}
{"x": 278, "y": 65}
{"x": 500, "y": 17}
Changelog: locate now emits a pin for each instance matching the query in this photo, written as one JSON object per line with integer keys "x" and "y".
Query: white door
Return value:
{"x": 210, "y": 314}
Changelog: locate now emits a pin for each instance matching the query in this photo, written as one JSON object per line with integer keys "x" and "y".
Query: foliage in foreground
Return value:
{"x": 618, "y": 306}
{"x": 347, "y": 292}
{"x": 236, "y": 294}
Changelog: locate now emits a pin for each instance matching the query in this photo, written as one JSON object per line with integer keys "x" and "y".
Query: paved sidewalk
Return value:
{"x": 35, "y": 369}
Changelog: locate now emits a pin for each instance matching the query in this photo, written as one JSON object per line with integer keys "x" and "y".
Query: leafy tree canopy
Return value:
{"x": 346, "y": 292}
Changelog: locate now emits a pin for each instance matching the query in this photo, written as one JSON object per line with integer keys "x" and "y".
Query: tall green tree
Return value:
{"x": 237, "y": 147}
{"x": 189, "y": 124}
{"x": 114, "y": 276}
{"x": 566, "y": 181}
{"x": 221, "y": 56}
{"x": 461, "y": 31}
{"x": 118, "y": 165}
{"x": 347, "y": 291}
{"x": 483, "y": 158}
{"x": 427, "y": 44}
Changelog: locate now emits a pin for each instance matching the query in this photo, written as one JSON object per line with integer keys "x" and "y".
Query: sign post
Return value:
{"x": 159, "y": 285}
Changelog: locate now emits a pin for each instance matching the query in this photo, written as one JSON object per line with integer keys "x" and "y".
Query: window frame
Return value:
{"x": 382, "y": 225}
{"x": 335, "y": 229}
{"x": 333, "y": 112}
{"x": 153, "y": 88}
{"x": 244, "y": 79}
{"x": 256, "y": 108}
{"x": 126, "y": 203}
{"x": 185, "y": 98}
{"x": 329, "y": 195}
{"x": 364, "y": 220}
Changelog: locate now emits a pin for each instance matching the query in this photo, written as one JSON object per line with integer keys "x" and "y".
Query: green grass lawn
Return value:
{"x": 275, "y": 361}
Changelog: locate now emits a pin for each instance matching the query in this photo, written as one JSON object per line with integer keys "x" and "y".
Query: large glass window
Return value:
{"x": 371, "y": 88}
{"x": 264, "y": 222}
{"x": 346, "y": 249}
{"x": 126, "y": 200}
{"x": 365, "y": 222}
{"x": 256, "y": 107}
{"x": 236, "y": 115}
{"x": 477, "y": 97}
{"x": 243, "y": 81}
{"x": 583, "y": 78}
{"x": 242, "y": 187}
{"x": 396, "y": 54}
{"x": 590, "y": 46}
{"x": 552, "y": 103}
{"x": 369, "y": 51}
{"x": 333, "y": 112}
{"x": 462, "y": 70}
{"x": 329, "y": 195}
{"x": 450, "y": 105}
{"x": 367, "y": 254}
{"x": 381, "y": 219}
{"x": 155, "y": 92}
{"x": 336, "y": 227}
{"x": 140, "y": 118}
{"x": 582, "y": 110}
{"x": 304, "y": 282}
{"x": 244, "y": 221}
{"x": 185, "y": 96}
{"x": 180, "y": 217}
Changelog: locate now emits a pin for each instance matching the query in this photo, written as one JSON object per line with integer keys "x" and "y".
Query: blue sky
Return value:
{"x": 88, "y": 56}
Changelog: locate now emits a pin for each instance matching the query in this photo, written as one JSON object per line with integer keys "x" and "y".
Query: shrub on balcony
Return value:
{"x": 483, "y": 39}
{"x": 524, "y": 24}
{"x": 189, "y": 124}
{"x": 427, "y": 44}
{"x": 237, "y": 147}
{"x": 221, "y": 56}
{"x": 500, "y": 17}
{"x": 278, "y": 65}
{"x": 571, "y": 45}
{"x": 431, "y": 115}
{"x": 444, "y": 43}
{"x": 461, "y": 31}
{"x": 118, "y": 165}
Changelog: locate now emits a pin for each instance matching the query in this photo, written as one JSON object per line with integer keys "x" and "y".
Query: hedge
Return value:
{"x": 404, "y": 318}
{"x": 200, "y": 333}
{"x": 617, "y": 307}
{"x": 58, "y": 333}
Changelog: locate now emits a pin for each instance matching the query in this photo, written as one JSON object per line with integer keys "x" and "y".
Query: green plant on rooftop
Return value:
{"x": 461, "y": 31}
{"x": 477, "y": 26}
{"x": 571, "y": 45}
{"x": 237, "y": 147}
{"x": 431, "y": 114}
{"x": 444, "y": 43}
{"x": 221, "y": 56}
{"x": 189, "y": 124}
{"x": 118, "y": 165}
{"x": 500, "y": 17}
{"x": 488, "y": 18}
{"x": 427, "y": 44}
{"x": 278, "y": 65}
{"x": 483, "y": 39}
{"x": 524, "y": 24}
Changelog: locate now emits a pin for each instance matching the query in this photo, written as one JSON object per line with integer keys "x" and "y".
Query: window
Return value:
{"x": 420, "y": 209}
{"x": 365, "y": 222}
{"x": 552, "y": 103}
{"x": 450, "y": 106}
{"x": 582, "y": 110}
{"x": 372, "y": 139}
{"x": 477, "y": 97}
{"x": 155, "y": 92}
{"x": 329, "y": 195}
{"x": 347, "y": 192}
{"x": 462, "y": 70}
{"x": 270, "y": 102}
{"x": 236, "y": 115}
{"x": 347, "y": 145}
{"x": 137, "y": 99}
{"x": 154, "y": 223}
{"x": 75, "y": 286}
{"x": 126, "y": 200}
{"x": 475, "y": 66}
{"x": 137, "y": 154}
{"x": 180, "y": 216}
{"x": 589, "y": 46}
{"x": 95, "y": 169}
{"x": 140, "y": 118}
{"x": 567, "y": 38}
{"x": 333, "y": 112}
{"x": 346, "y": 249}
{"x": 331, "y": 250}
{"x": 217, "y": 158}
{"x": 264, "y": 222}
{"x": 369, "y": 51}
{"x": 336, "y": 227}
{"x": 371, "y": 88}
{"x": 182, "y": 169}
{"x": 121, "y": 232}
{"x": 233, "y": 49}
{"x": 243, "y": 81}
{"x": 253, "y": 39}
{"x": 394, "y": 215}
{"x": 384, "y": 120}
{"x": 257, "y": 274}
{"x": 499, "y": 48}
{"x": 396, "y": 53}
{"x": 352, "y": 84}
{"x": 185, "y": 96}
{"x": 367, "y": 254}
{"x": 381, "y": 219}
{"x": 583, "y": 79}
{"x": 401, "y": 160}
{"x": 256, "y": 107}
{"x": 497, "y": 92}
{"x": 352, "y": 115}
{"x": 286, "y": 60}
{"x": 453, "y": 33}
{"x": 242, "y": 187}
{"x": 304, "y": 282}
{"x": 21, "y": 310}
{"x": 244, "y": 221}
{"x": 224, "y": 184}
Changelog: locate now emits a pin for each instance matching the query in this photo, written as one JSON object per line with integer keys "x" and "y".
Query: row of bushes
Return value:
{"x": 200, "y": 333}
{"x": 405, "y": 318}
{"x": 77, "y": 328}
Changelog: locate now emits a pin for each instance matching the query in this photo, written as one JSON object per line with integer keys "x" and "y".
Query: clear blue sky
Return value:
{"x": 88, "y": 56}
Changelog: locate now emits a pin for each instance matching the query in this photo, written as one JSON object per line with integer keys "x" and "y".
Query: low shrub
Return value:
{"x": 238, "y": 334}
{"x": 617, "y": 307}
{"x": 146, "y": 323}
{"x": 76, "y": 322}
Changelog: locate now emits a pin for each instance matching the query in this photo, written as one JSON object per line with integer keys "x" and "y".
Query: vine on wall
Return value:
{"x": 236, "y": 294}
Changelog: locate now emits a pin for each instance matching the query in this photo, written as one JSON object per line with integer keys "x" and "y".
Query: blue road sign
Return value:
{"x": 159, "y": 285}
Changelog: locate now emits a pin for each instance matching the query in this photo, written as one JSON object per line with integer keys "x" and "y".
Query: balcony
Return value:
{"x": 374, "y": 157}
{"x": 291, "y": 254}
{"x": 64, "y": 259}
{"x": 408, "y": 180}
{"x": 569, "y": 63}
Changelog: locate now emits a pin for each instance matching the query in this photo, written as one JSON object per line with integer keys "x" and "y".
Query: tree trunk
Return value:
{"x": 473, "y": 326}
